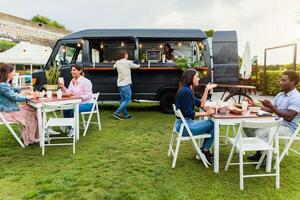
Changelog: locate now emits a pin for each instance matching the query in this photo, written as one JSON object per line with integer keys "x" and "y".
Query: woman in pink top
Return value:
{"x": 79, "y": 86}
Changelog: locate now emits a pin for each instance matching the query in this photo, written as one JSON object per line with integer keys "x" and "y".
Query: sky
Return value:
{"x": 263, "y": 23}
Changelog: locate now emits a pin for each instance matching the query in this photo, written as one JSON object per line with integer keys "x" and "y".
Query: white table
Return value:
{"x": 37, "y": 103}
{"x": 231, "y": 119}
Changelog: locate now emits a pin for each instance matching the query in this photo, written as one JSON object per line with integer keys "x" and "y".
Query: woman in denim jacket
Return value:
{"x": 9, "y": 97}
{"x": 186, "y": 102}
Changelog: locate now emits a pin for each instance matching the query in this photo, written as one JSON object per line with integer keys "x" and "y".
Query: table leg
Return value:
{"x": 76, "y": 113}
{"x": 216, "y": 146}
{"x": 40, "y": 125}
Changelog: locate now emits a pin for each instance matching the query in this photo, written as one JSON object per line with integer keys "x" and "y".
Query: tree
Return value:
{"x": 47, "y": 21}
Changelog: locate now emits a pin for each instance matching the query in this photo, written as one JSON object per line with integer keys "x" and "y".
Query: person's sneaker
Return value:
{"x": 255, "y": 157}
{"x": 71, "y": 132}
{"x": 207, "y": 156}
{"x": 210, "y": 154}
{"x": 115, "y": 115}
{"x": 128, "y": 117}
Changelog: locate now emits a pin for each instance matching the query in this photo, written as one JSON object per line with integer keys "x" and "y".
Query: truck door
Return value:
{"x": 225, "y": 57}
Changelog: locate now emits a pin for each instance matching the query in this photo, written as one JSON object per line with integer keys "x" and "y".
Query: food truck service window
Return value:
{"x": 149, "y": 50}
{"x": 107, "y": 51}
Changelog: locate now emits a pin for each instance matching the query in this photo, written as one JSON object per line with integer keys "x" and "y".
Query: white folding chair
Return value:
{"x": 180, "y": 138}
{"x": 23, "y": 80}
{"x": 95, "y": 110}
{"x": 57, "y": 122}
{"x": 3, "y": 121}
{"x": 289, "y": 141}
{"x": 15, "y": 82}
{"x": 243, "y": 144}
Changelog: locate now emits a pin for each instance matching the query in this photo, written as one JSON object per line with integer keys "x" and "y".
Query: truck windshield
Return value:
{"x": 68, "y": 54}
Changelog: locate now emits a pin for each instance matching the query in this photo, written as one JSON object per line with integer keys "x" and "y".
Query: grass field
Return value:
{"x": 128, "y": 160}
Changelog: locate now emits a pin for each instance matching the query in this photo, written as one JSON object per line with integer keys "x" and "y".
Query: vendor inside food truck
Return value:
{"x": 170, "y": 54}
{"x": 169, "y": 51}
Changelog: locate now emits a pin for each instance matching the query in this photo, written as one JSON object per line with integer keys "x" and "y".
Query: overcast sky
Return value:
{"x": 264, "y": 23}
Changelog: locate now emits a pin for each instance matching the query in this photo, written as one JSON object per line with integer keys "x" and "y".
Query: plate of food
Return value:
{"x": 254, "y": 109}
{"x": 63, "y": 94}
{"x": 235, "y": 110}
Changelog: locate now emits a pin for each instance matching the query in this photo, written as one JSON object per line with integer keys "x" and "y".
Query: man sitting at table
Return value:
{"x": 286, "y": 105}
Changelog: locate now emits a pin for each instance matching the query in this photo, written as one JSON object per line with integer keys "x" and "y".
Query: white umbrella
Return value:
{"x": 246, "y": 67}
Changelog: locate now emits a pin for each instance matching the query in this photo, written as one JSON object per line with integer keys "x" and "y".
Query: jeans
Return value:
{"x": 199, "y": 128}
{"x": 125, "y": 92}
{"x": 83, "y": 107}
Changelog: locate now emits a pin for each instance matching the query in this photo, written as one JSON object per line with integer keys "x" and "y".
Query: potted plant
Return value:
{"x": 143, "y": 58}
{"x": 182, "y": 63}
{"x": 52, "y": 75}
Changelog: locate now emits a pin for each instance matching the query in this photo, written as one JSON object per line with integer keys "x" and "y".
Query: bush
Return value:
{"x": 47, "y": 21}
{"x": 273, "y": 78}
{"x": 5, "y": 45}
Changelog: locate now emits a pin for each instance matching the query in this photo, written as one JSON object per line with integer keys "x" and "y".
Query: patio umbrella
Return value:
{"x": 246, "y": 67}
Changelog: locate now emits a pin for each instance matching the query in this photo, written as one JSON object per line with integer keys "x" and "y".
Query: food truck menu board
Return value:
{"x": 153, "y": 55}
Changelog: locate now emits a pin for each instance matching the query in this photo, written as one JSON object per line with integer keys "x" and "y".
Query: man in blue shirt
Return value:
{"x": 286, "y": 105}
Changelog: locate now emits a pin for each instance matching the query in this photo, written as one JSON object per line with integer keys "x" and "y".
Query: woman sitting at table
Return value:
{"x": 9, "y": 97}
{"x": 79, "y": 86}
{"x": 186, "y": 101}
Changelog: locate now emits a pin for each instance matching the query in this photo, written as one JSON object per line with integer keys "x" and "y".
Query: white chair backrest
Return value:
{"x": 23, "y": 78}
{"x": 15, "y": 82}
{"x": 178, "y": 114}
{"x": 96, "y": 96}
{"x": 258, "y": 123}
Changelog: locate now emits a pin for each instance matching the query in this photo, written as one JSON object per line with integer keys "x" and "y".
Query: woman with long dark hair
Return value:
{"x": 9, "y": 99}
{"x": 186, "y": 102}
{"x": 170, "y": 53}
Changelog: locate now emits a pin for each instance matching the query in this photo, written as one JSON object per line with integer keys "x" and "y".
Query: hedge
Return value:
{"x": 273, "y": 78}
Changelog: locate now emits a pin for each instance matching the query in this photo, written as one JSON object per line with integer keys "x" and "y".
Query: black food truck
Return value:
{"x": 157, "y": 79}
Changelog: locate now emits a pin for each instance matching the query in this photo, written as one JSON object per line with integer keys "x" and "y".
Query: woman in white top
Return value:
{"x": 124, "y": 66}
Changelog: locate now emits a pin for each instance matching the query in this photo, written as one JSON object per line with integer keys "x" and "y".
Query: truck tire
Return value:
{"x": 166, "y": 102}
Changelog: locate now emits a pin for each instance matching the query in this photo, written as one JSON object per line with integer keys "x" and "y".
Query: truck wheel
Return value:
{"x": 166, "y": 102}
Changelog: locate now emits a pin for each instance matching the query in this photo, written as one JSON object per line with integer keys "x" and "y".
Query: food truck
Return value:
{"x": 96, "y": 50}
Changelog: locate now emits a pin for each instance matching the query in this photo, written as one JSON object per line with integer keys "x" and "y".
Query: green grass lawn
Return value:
{"x": 128, "y": 160}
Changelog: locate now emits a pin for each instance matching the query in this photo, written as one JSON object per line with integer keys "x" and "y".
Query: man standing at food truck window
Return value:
{"x": 124, "y": 66}
{"x": 171, "y": 54}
